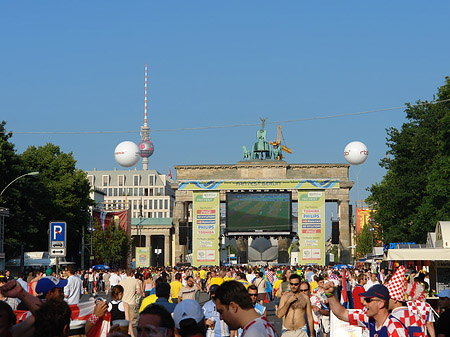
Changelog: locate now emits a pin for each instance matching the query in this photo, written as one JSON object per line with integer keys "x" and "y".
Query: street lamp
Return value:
{"x": 2, "y": 223}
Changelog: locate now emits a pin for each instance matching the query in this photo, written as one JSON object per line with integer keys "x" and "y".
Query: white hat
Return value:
{"x": 187, "y": 309}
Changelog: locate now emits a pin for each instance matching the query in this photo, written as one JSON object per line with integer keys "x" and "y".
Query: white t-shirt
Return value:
{"x": 114, "y": 279}
{"x": 259, "y": 327}
{"x": 73, "y": 289}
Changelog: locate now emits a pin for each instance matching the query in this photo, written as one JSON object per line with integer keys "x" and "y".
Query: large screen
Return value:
{"x": 259, "y": 211}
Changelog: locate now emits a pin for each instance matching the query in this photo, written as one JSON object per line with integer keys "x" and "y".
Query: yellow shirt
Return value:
{"x": 245, "y": 283}
{"x": 216, "y": 280}
{"x": 202, "y": 274}
{"x": 175, "y": 287}
{"x": 150, "y": 299}
{"x": 313, "y": 286}
{"x": 277, "y": 286}
{"x": 226, "y": 278}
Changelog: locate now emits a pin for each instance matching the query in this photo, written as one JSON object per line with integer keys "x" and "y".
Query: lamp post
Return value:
{"x": 2, "y": 224}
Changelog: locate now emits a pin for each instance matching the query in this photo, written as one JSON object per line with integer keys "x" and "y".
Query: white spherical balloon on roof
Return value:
{"x": 127, "y": 154}
{"x": 356, "y": 153}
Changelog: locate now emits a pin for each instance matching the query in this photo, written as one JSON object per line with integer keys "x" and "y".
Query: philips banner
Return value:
{"x": 142, "y": 257}
{"x": 311, "y": 227}
{"x": 205, "y": 231}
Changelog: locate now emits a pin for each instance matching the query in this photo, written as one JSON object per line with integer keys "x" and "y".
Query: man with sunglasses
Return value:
{"x": 293, "y": 307}
{"x": 259, "y": 308}
{"x": 376, "y": 317}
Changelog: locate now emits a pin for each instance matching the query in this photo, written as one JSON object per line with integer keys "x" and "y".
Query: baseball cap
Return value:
{"x": 213, "y": 288}
{"x": 47, "y": 283}
{"x": 377, "y": 290}
{"x": 444, "y": 293}
{"x": 187, "y": 309}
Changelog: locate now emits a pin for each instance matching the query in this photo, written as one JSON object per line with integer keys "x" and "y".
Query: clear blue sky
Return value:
{"x": 79, "y": 66}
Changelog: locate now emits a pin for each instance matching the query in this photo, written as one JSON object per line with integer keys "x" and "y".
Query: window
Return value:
{"x": 146, "y": 192}
{"x": 145, "y": 204}
{"x": 136, "y": 180}
{"x": 150, "y": 214}
{"x": 91, "y": 180}
{"x": 141, "y": 192}
{"x": 150, "y": 192}
{"x": 134, "y": 203}
{"x": 150, "y": 180}
{"x": 109, "y": 192}
{"x": 159, "y": 214}
{"x": 121, "y": 180}
{"x": 135, "y": 192}
{"x": 160, "y": 204}
{"x": 166, "y": 204}
{"x": 105, "y": 180}
{"x": 120, "y": 191}
{"x": 115, "y": 192}
{"x": 150, "y": 204}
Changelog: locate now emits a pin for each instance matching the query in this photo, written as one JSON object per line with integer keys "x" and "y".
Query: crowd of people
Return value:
{"x": 220, "y": 302}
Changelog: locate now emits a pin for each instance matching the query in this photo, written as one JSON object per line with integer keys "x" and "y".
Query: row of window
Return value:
{"x": 134, "y": 192}
{"x": 150, "y": 204}
{"x": 152, "y": 214}
{"x": 122, "y": 181}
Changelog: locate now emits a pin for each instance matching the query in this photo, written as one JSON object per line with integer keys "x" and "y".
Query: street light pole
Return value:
{"x": 2, "y": 224}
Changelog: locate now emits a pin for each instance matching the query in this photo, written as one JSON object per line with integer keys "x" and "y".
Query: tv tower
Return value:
{"x": 146, "y": 147}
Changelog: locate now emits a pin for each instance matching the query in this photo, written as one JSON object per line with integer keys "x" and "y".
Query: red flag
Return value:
{"x": 344, "y": 297}
{"x": 170, "y": 173}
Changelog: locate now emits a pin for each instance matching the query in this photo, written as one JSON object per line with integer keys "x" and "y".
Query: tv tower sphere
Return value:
{"x": 146, "y": 148}
{"x": 127, "y": 154}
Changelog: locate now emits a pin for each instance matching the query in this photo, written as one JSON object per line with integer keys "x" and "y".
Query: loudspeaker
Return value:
{"x": 183, "y": 233}
{"x": 335, "y": 232}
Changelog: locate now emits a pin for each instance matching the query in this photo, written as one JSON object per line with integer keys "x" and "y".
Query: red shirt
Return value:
{"x": 359, "y": 289}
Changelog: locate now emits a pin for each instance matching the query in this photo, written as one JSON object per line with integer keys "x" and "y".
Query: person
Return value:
{"x": 189, "y": 291}
{"x": 236, "y": 309}
{"x": 33, "y": 282}
{"x": 106, "y": 276}
{"x": 52, "y": 319}
{"x": 376, "y": 317}
{"x": 259, "y": 308}
{"x": 293, "y": 307}
{"x": 50, "y": 287}
{"x": 130, "y": 289}
{"x": 261, "y": 285}
{"x": 371, "y": 281}
{"x": 216, "y": 326}
{"x": 189, "y": 319}
{"x": 155, "y": 317}
{"x": 12, "y": 301}
{"x": 161, "y": 297}
{"x": 319, "y": 306}
{"x": 118, "y": 309}
{"x": 417, "y": 304}
{"x": 148, "y": 284}
{"x": 284, "y": 286}
{"x": 114, "y": 278}
{"x": 74, "y": 288}
{"x": 443, "y": 323}
{"x": 358, "y": 290}
{"x": 175, "y": 287}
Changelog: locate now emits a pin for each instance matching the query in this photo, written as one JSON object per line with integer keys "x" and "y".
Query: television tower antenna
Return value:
{"x": 146, "y": 147}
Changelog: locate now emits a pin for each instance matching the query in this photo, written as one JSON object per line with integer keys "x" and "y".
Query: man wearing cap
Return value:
{"x": 216, "y": 326}
{"x": 376, "y": 317}
{"x": 189, "y": 319}
{"x": 50, "y": 287}
{"x": 443, "y": 323}
{"x": 235, "y": 307}
{"x": 397, "y": 305}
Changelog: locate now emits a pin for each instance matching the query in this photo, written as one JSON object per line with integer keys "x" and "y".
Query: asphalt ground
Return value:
{"x": 271, "y": 317}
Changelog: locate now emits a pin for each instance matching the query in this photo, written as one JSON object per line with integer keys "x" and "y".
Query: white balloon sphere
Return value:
{"x": 356, "y": 153}
{"x": 127, "y": 154}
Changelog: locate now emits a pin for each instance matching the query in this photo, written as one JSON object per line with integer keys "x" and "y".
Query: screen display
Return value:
{"x": 251, "y": 211}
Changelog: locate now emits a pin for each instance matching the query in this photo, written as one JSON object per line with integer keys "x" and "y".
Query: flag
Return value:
{"x": 268, "y": 285}
{"x": 170, "y": 173}
{"x": 344, "y": 297}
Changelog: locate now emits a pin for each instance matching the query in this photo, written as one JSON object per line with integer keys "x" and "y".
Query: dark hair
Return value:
{"x": 234, "y": 291}
{"x": 51, "y": 318}
{"x": 252, "y": 287}
{"x": 9, "y": 312}
{"x": 188, "y": 277}
{"x": 189, "y": 327}
{"x": 115, "y": 291}
{"x": 162, "y": 289}
{"x": 164, "y": 316}
{"x": 177, "y": 276}
{"x": 295, "y": 276}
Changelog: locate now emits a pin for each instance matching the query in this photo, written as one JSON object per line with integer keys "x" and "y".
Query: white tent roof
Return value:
{"x": 443, "y": 234}
{"x": 417, "y": 254}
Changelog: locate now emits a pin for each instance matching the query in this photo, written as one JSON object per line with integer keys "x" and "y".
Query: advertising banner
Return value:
{"x": 343, "y": 329}
{"x": 115, "y": 218}
{"x": 142, "y": 257}
{"x": 362, "y": 218}
{"x": 311, "y": 227}
{"x": 310, "y": 184}
{"x": 205, "y": 228}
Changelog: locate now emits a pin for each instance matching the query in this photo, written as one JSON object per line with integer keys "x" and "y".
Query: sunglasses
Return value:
{"x": 253, "y": 294}
{"x": 304, "y": 290}
{"x": 371, "y": 299}
{"x": 294, "y": 284}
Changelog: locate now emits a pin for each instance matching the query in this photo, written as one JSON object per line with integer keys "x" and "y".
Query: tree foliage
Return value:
{"x": 111, "y": 245}
{"x": 414, "y": 193}
{"x": 364, "y": 242}
{"x": 59, "y": 192}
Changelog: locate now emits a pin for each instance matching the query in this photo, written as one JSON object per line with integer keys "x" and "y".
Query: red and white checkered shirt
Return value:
{"x": 269, "y": 275}
{"x": 409, "y": 319}
{"x": 393, "y": 327}
{"x": 421, "y": 309}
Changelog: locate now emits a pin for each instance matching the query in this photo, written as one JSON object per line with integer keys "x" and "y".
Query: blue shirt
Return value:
{"x": 220, "y": 327}
{"x": 170, "y": 307}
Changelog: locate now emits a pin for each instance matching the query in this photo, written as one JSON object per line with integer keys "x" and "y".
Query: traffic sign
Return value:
{"x": 58, "y": 236}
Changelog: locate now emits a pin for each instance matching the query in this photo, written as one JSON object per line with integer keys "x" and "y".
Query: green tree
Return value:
{"x": 111, "y": 245}
{"x": 364, "y": 242}
{"x": 413, "y": 195}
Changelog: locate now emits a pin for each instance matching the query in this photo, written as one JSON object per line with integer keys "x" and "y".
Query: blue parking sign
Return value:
{"x": 58, "y": 233}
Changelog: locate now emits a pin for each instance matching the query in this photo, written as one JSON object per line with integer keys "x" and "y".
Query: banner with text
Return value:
{"x": 205, "y": 229}
{"x": 311, "y": 227}
{"x": 142, "y": 257}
